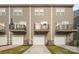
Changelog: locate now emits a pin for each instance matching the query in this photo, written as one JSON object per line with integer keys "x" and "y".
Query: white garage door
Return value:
{"x": 3, "y": 40}
{"x": 39, "y": 40}
{"x": 17, "y": 40}
{"x": 60, "y": 40}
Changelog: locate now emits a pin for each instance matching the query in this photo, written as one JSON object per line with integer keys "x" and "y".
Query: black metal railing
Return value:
{"x": 17, "y": 27}
{"x": 65, "y": 27}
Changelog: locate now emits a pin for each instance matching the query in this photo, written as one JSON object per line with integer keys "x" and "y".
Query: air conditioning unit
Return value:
{"x": 44, "y": 25}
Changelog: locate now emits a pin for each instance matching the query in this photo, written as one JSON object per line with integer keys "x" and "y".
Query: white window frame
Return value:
{"x": 60, "y": 11}
{"x": 17, "y": 11}
{"x": 39, "y": 11}
{"x": 2, "y": 10}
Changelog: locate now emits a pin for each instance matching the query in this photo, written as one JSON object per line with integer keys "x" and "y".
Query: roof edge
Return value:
{"x": 55, "y": 5}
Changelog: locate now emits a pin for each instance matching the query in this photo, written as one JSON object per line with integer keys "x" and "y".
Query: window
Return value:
{"x": 39, "y": 11}
{"x": 17, "y": 12}
{"x": 60, "y": 12}
{"x": 2, "y": 12}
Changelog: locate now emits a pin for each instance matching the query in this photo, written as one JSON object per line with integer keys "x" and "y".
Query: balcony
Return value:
{"x": 18, "y": 28}
{"x": 65, "y": 29}
{"x": 2, "y": 29}
{"x": 41, "y": 28}
{"x": 41, "y": 31}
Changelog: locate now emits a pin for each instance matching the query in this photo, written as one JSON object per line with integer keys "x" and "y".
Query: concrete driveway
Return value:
{"x": 7, "y": 47}
{"x": 37, "y": 49}
{"x": 71, "y": 48}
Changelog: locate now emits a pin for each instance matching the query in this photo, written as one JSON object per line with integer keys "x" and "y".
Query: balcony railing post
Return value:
{"x": 18, "y": 27}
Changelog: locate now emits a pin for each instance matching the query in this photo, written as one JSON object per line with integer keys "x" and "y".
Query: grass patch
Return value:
{"x": 77, "y": 46}
{"x": 16, "y": 50}
{"x": 58, "y": 50}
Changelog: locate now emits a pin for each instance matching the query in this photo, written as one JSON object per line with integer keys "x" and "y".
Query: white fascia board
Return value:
{"x": 39, "y": 2}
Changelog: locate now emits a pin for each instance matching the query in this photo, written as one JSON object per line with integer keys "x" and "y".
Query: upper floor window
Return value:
{"x": 60, "y": 12}
{"x": 39, "y": 11}
{"x": 2, "y": 12}
{"x": 17, "y": 11}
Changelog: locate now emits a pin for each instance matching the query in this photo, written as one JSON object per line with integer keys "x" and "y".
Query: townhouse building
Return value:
{"x": 36, "y": 24}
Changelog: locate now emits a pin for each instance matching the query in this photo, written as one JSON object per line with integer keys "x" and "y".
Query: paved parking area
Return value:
{"x": 71, "y": 48}
{"x": 37, "y": 49}
{"x": 7, "y": 47}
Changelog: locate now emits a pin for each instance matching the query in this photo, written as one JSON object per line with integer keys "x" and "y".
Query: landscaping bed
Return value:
{"x": 16, "y": 50}
{"x": 78, "y": 43}
{"x": 58, "y": 50}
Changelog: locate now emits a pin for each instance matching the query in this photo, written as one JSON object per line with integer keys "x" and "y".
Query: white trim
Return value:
{"x": 9, "y": 14}
{"x": 30, "y": 24}
{"x": 51, "y": 23}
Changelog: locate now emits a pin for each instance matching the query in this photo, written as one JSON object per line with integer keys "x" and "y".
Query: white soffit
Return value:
{"x": 39, "y": 1}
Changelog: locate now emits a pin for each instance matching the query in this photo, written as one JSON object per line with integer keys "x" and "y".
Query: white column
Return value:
{"x": 9, "y": 23}
{"x": 51, "y": 23}
{"x": 30, "y": 25}
{"x": 9, "y": 14}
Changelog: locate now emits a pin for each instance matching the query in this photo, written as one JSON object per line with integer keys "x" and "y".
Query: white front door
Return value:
{"x": 3, "y": 40}
{"x": 60, "y": 40}
{"x": 39, "y": 40}
{"x": 17, "y": 39}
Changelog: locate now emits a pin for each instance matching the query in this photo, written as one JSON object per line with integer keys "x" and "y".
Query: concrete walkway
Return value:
{"x": 37, "y": 49}
{"x": 71, "y": 48}
{"x": 7, "y": 47}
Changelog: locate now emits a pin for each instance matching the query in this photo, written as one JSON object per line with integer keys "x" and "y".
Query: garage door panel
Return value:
{"x": 38, "y": 40}
{"x": 17, "y": 39}
{"x": 60, "y": 40}
{"x": 3, "y": 40}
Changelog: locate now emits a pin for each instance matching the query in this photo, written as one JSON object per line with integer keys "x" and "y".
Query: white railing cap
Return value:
{"x": 44, "y": 22}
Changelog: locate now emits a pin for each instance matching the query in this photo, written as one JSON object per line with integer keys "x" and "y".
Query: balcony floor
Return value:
{"x": 19, "y": 31}
{"x": 65, "y": 31}
{"x": 41, "y": 31}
